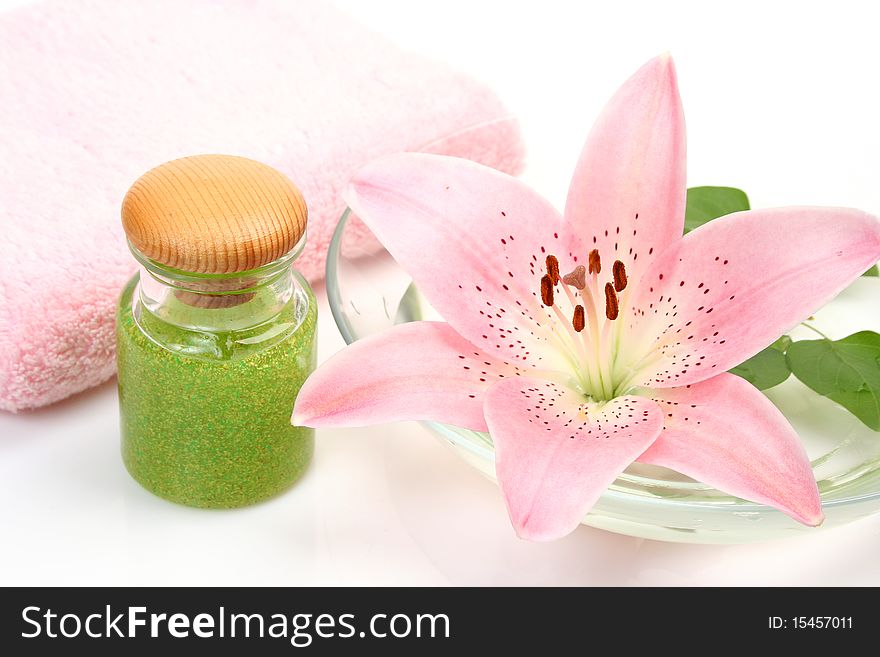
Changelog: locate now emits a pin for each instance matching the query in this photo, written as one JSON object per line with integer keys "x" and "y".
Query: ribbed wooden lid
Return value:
{"x": 214, "y": 214}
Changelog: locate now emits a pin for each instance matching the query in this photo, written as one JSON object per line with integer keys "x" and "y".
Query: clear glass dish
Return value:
{"x": 369, "y": 294}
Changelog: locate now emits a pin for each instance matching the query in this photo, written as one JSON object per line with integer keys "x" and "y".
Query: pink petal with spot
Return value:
{"x": 555, "y": 453}
{"x": 627, "y": 196}
{"x": 733, "y": 286}
{"x": 725, "y": 433}
{"x": 474, "y": 240}
{"x": 416, "y": 371}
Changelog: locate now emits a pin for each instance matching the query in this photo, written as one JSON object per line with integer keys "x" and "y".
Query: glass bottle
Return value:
{"x": 215, "y": 333}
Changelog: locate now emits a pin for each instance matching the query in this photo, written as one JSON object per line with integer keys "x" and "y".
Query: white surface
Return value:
{"x": 781, "y": 100}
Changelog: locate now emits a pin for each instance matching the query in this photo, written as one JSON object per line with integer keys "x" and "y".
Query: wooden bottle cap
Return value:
{"x": 214, "y": 214}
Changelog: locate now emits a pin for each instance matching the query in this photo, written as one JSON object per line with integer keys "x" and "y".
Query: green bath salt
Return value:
{"x": 206, "y": 418}
{"x": 214, "y": 342}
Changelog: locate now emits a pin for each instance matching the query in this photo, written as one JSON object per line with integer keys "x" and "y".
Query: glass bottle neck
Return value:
{"x": 217, "y": 302}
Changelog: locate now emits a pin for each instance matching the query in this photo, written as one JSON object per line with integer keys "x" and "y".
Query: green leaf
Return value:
{"x": 847, "y": 371}
{"x": 767, "y": 368}
{"x": 707, "y": 203}
{"x": 873, "y": 271}
{"x": 782, "y": 344}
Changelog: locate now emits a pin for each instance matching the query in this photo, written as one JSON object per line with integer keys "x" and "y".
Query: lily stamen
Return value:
{"x": 619, "y": 272}
{"x": 553, "y": 269}
{"x": 579, "y": 348}
{"x": 593, "y": 344}
{"x": 547, "y": 290}
{"x": 595, "y": 262}
{"x": 577, "y": 321}
{"x": 591, "y": 338}
{"x": 612, "y": 307}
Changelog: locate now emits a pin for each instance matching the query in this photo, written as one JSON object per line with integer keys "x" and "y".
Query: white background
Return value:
{"x": 781, "y": 99}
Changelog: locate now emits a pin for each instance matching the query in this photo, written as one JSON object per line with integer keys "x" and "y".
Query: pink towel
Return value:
{"x": 95, "y": 92}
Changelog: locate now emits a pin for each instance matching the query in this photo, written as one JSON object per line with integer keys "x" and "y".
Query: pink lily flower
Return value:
{"x": 586, "y": 341}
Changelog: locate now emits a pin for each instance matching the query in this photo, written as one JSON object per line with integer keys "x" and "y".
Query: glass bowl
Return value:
{"x": 370, "y": 294}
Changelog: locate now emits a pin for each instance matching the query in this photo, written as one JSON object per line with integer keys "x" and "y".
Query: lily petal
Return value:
{"x": 734, "y": 285}
{"x": 627, "y": 196}
{"x": 474, "y": 240}
{"x": 415, "y": 371}
{"x": 725, "y": 433}
{"x": 555, "y": 453}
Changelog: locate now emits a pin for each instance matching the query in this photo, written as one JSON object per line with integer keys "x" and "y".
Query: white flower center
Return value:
{"x": 589, "y": 339}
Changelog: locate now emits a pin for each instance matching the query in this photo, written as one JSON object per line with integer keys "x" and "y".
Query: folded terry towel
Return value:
{"x": 95, "y": 92}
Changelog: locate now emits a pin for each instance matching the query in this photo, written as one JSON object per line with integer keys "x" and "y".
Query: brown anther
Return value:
{"x": 611, "y": 306}
{"x": 594, "y": 262}
{"x": 578, "y": 320}
{"x": 546, "y": 290}
{"x": 577, "y": 278}
{"x": 619, "y": 272}
{"x": 553, "y": 268}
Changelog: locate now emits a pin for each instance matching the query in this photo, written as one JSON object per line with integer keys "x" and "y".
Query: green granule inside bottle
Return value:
{"x": 205, "y": 416}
